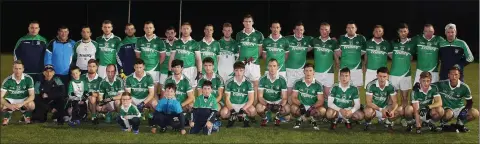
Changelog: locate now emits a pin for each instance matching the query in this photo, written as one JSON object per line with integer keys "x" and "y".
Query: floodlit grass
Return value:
{"x": 110, "y": 133}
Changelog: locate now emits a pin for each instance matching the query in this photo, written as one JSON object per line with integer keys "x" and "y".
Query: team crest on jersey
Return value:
{"x": 112, "y": 45}
{"x": 38, "y": 42}
{"x": 456, "y": 51}
{"x": 254, "y": 39}
{"x": 356, "y": 42}
{"x": 18, "y": 87}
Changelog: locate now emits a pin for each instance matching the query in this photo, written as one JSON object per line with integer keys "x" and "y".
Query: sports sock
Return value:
{"x": 347, "y": 120}
{"x": 7, "y": 114}
{"x": 27, "y": 114}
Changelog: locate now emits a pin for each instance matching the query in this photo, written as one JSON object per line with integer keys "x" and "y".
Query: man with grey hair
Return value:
{"x": 453, "y": 52}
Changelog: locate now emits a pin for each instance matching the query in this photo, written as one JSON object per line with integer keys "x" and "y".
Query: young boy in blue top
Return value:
{"x": 169, "y": 111}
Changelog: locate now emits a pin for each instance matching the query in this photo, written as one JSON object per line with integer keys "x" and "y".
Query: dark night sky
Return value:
{"x": 16, "y": 15}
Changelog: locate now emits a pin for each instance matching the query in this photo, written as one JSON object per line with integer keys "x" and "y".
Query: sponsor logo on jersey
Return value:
{"x": 178, "y": 92}
{"x": 380, "y": 96}
{"x": 298, "y": 48}
{"x": 248, "y": 44}
{"x": 322, "y": 49}
{"x": 107, "y": 49}
{"x": 140, "y": 89}
{"x": 84, "y": 55}
{"x": 401, "y": 52}
{"x": 112, "y": 93}
{"x": 426, "y": 47}
{"x": 182, "y": 51}
{"x": 271, "y": 91}
{"x": 238, "y": 94}
{"x": 16, "y": 92}
{"x": 274, "y": 49}
{"x": 148, "y": 49}
{"x": 350, "y": 46}
{"x": 376, "y": 51}
{"x": 208, "y": 54}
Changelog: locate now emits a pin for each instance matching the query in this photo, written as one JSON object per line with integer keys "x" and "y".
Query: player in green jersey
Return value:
{"x": 110, "y": 91}
{"x": 93, "y": 81}
{"x": 184, "y": 92}
{"x": 250, "y": 48}
{"x": 344, "y": 101}
{"x": 276, "y": 47}
{"x": 453, "y": 92}
{"x": 239, "y": 98}
{"x": 308, "y": 101}
{"x": 217, "y": 81}
{"x": 151, "y": 49}
{"x": 164, "y": 72}
{"x": 272, "y": 95}
{"x": 323, "y": 48}
{"x": 381, "y": 100}
{"x": 426, "y": 104}
{"x": 205, "y": 111}
{"x": 17, "y": 93}
{"x": 351, "y": 48}
{"x": 108, "y": 47}
{"x": 78, "y": 93}
{"x": 186, "y": 49}
{"x": 376, "y": 54}
{"x": 209, "y": 47}
{"x": 228, "y": 53}
{"x": 427, "y": 50}
{"x": 140, "y": 84}
{"x": 129, "y": 118}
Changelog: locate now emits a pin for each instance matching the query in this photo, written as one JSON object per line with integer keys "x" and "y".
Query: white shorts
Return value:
{"x": 111, "y": 104}
{"x": 340, "y": 114}
{"x": 326, "y": 79}
{"x": 155, "y": 75}
{"x": 15, "y": 101}
{"x": 356, "y": 77}
{"x": 401, "y": 83}
{"x": 456, "y": 111}
{"x": 163, "y": 78}
{"x": 294, "y": 75}
{"x": 102, "y": 71}
{"x": 225, "y": 66}
{"x": 369, "y": 76}
{"x": 191, "y": 74}
{"x": 252, "y": 72}
{"x": 237, "y": 107}
{"x": 284, "y": 74}
{"x": 273, "y": 102}
{"x": 136, "y": 101}
{"x": 435, "y": 76}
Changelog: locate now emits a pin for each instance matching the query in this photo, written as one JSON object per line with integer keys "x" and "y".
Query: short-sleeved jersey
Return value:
{"x": 276, "y": 49}
{"x": 248, "y": 44}
{"x": 183, "y": 87}
{"x": 323, "y": 54}
{"x": 78, "y": 88}
{"x": 217, "y": 82}
{"x": 139, "y": 86}
{"x": 16, "y": 90}
{"x": 380, "y": 96}
{"x": 344, "y": 96}
{"x": 185, "y": 51}
{"x": 108, "y": 48}
{"x": 111, "y": 89}
{"x": 168, "y": 50}
{"x": 228, "y": 48}
{"x": 129, "y": 112}
{"x": 401, "y": 57}
{"x": 352, "y": 48}
{"x": 212, "y": 50}
{"x": 209, "y": 103}
{"x": 272, "y": 89}
{"x": 453, "y": 97}
{"x": 423, "y": 98}
{"x": 93, "y": 84}
{"x": 150, "y": 50}
{"x": 427, "y": 52}
{"x": 307, "y": 93}
{"x": 377, "y": 53}
{"x": 83, "y": 52}
{"x": 238, "y": 90}
{"x": 297, "y": 51}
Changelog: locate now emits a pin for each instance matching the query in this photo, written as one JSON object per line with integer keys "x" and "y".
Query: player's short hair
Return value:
{"x": 378, "y": 26}
{"x": 299, "y": 24}
{"x": 351, "y": 22}
{"x": 273, "y": 60}
{"x": 92, "y": 61}
{"x": 148, "y": 22}
{"x": 207, "y": 83}
{"x": 139, "y": 61}
{"x": 208, "y": 60}
{"x": 307, "y": 65}
{"x": 427, "y": 25}
{"x": 114, "y": 67}
{"x": 345, "y": 70}
{"x": 34, "y": 22}
{"x": 275, "y": 22}
{"x": 227, "y": 24}
{"x": 451, "y": 26}
{"x": 453, "y": 68}
{"x": 107, "y": 22}
{"x": 324, "y": 24}
{"x": 208, "y": 26}
{"x": 177, "y": 62}
{"x": 74, "y": 68}
{"x": 402, "y": 26}
{"x": 186, "y": 23}
{"x": 85, "y": 26}
{"x": 171, "y": 28}
{"x": 382, "y": 70}
{"x": 127, "y": 94}
{"x": 238, "y": 65}
{"x": 62, "y": 27}
{"x": 129, "y": 24}
{"x": 171, "y": 86}
{"x": 425, "y": 74}
{"x": 248, "y": 16}
{"x": 18, "y": 62}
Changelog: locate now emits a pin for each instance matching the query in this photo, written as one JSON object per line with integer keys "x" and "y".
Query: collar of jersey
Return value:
{"x": 205, "y": 41}
{"x": 239, "y": 83}
{"x": 108, "y": 81}
{"x": 22, "y": 77}
{"x": 176, "y": 82}
{"x": 189, "y": 39}
{"x": 343, "y": 88}
{"x": 304, "y": 81}
{"x": 373, "y": 40}
{"x": 139, "y": 79}
{"x": 270, "y": 36}
{"x": 320, "y": 38}
{"x": 205, "y": 77}
{"x": 83, "y": 41}
{"x": 433, "y": 36}
{"x": 154, "y": 36}
{"x": 253, "y": 30}
{"x": 297, "y": 38}
{"x": 457, "y": 86}
{"x": 408, "y": 39}
{"x": 378, "y": 84}
{"x": 346, "y": 35}
{"x": 89, "y": 80}
{"x": 109, "y": 37}
{"x": 128, "y": 107}
{"x": 168, "y": 42}
{"x": 429, "y": 88}
{"x": 276, "y": 77}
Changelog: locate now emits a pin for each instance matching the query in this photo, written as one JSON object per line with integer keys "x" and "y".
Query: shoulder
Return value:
{"x": 94, "y": 42}
{"x": 298, "y": 81}
{"x": 28, "y": 77}
{"x": 117, "y": 38}
{"x": 464, "y": 85}
{"x": 282, "y": 78}
{"x": 229, "y": 81}
{"x": 373, "y": 83}
{"x": 317, "y": 82}
{"x": 6, "y": 80}
{"x": 58, "y": 80}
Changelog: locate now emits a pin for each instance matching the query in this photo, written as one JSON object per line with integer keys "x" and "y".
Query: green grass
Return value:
{"x": 110, "y": 133}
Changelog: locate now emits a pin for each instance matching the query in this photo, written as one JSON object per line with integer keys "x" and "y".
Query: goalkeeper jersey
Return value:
{"x": 83, "y": 52}
{"x": 108, "y": 48}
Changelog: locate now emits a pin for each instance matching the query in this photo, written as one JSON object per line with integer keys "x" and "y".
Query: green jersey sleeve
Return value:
{"x": 150, "y": 82}
{"x": 355, "y": 93}
{"x": 468, "y": 93}
{"x": 213, "y": 101}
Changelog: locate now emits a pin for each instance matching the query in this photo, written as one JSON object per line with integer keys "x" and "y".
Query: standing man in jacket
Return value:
{"x": 126, "y": 52}
{"x": 60, "y": 54}
{"x": 29, "y": 49}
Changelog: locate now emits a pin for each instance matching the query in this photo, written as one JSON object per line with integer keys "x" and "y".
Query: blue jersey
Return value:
{"x": 60, "y": 55}
{"x": 169, "y": 106}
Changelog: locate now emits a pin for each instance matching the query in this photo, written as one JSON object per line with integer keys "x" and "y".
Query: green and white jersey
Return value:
{"x": 183, "y": 87}
{"x": 217, "y": 82}
{"x": 129, "y": 112}
{"x": 344, "y": 96}
{"x": 185, "y": 51}
{"x": 83, "y": 52}
{"x": 272, "y": 89}
{"x": 108, "y": 49}
{"x": 228, "y": 48}
{"x": 93, "y": 84}
{"x": 423, "y": 98}
{"x": 238, "y": 90}
{"x": 427, "y": 52}
{"x": 139, "y": 87}
{"x": 212, "y": 50}
{"x": 352, "y": 48}
{"x": 150, "y": 50}
{"x": 111, "y": 89}
{"x": 297, "y": 51}
{"x": 168, "y": 49}
{"x": 16, "y": 90}
{"x": 377, "y": 54}
{"x": 401, "y": 57}
{"x": 78, "y": 88}
{"x": 209, "y": 103}
{"x": 380, "y": 96}
{"x": 248, "y": 44}
{"x": 323, "y": 54}
{"x": 452, "y": 97}
{"x": 276, "y": 49}
{"x": 307, "y": 93}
